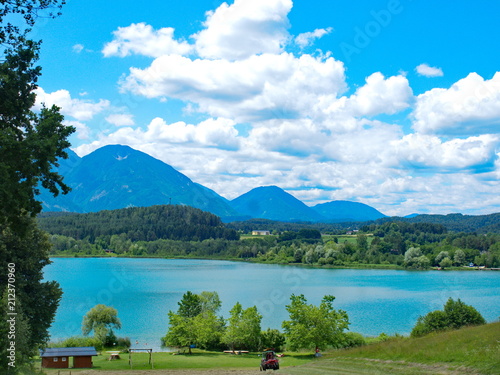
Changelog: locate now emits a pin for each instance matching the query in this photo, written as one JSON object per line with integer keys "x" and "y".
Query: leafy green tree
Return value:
{"x": 455, "y": 314}
{"x": 441, "y": 256}
{"x": 415, "y": 259}
{"x": 190, "y": 305}
{"x": 196, "y": 322}
{"x": 14, "y": 338}
{"x": 26, "y": 256}
{"x": 181, "y": 332}
{"x": 314, "y": 326}
{"x": 243, "y": 329}
{"x": 272, "y": 339}
{"x": 445, "y": 263}
{"x": 102, "y": 320}
{"x": 210, "y": 302}
{"x": 362, "y": 241}
{"x": 459, "y": 258}
{"x": 30, "y": 10}
{"x": 30, "y": 143}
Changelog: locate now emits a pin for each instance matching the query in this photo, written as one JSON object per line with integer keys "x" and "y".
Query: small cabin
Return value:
{"x": 59, "y": 357}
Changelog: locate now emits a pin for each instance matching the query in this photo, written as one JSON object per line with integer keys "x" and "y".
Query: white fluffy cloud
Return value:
{"x": 306, "y": 39}
{"x": 469, "y": 106}
{"x": 379, "y": 95}
{"x": 429, "y": 71}
{"x": 141, "y": 39}
{"x": 258, "y": 87}
{"x": 428, "y": 150}
{"x": 121, "y": 119}
{"x": 244, "y": 29}
{"x": 218, "y": 133}
{"x": 79, "y": 109}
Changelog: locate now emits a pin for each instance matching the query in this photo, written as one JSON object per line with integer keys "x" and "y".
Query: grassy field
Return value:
{"x": 198, "y": 360}
{"x": 474, "y": 350}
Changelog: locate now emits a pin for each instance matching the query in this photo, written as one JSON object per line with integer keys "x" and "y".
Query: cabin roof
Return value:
{"x": 68, "y": 352}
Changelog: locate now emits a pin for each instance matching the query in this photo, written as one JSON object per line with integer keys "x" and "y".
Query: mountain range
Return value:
{"x": 118, "y": 176}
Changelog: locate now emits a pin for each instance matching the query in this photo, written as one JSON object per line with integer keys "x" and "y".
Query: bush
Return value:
{"x": 456, "y": 314}
{"x": 353, "y": 339}
{"x": 77, "y": 341}
{"x": 459, "y": 314}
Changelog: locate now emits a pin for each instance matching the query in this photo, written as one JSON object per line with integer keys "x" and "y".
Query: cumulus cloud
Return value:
{"x": 470, "y": 105}
{"x": 258, "y": 87}
{"x": 218, "y": 133}
{"x": 306, "y": 39}
{"x": 79, "y": 109}
{"x": 121, "y": 119}
{"x": 379, "y": 95}
{"x": 429, "y": 71}
{"x": 431, "y": 151}
{"x": 244, "y": 29}
{"x": 142, "y": 39}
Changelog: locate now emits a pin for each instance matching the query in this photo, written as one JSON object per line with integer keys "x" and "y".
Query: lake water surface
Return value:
{"x": 144, "y": 290}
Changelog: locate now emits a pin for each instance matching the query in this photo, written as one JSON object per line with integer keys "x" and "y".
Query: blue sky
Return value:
{"x": 392, "y": 103}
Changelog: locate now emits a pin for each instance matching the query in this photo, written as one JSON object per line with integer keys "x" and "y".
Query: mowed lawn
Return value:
{"x": 197, "y": 360}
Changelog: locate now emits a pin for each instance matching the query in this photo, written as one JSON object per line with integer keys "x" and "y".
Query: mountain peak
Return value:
{"x": 117, "y": 176}
{"x": 347, "y": 211}
{"x": 273, "y": 203}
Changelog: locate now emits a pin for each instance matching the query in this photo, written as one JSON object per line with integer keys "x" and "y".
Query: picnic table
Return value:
{"x": 113, "y": 355}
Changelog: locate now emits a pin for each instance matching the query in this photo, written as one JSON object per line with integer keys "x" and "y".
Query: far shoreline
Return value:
{"x": 301, "y": 265}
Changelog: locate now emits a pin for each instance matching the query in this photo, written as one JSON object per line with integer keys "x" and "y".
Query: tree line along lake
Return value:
{"x": 144, "y": 290}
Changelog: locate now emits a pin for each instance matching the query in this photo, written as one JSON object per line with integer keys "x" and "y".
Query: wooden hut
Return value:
{"x": 59, "y": 357}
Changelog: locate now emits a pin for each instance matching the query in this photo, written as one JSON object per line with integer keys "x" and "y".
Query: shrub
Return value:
{"x": 353, "y": 339}
{"x": 459, "y": 314}
{"x": 77, "y": 341}
{"x": 456, "y": 314}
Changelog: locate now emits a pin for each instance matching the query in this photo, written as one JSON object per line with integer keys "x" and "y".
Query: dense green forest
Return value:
{"x": 179, "y": 231}
{"x": 452, "y": 222}
{"x": 173, "y": 222}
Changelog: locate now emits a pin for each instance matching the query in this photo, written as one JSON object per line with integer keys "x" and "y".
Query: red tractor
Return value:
{"x": 269, "y": 361}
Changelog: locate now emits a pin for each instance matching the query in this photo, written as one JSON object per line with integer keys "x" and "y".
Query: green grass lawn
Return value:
{"x": 473, "y": 350}
{"x": 198, "y": 360}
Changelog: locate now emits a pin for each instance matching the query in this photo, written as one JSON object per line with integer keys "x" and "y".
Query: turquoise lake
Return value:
{"x": 144, "y": 290}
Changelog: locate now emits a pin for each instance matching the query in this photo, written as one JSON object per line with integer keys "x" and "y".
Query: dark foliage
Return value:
{"x": 180, "y": 223}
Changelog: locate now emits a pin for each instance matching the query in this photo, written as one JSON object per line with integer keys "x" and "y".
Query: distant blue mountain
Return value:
{"x": 273, "y": 203}
{"x": 118, "y": 176}
{"x": 411, "y": 216}
{"x": 345, "y": 211}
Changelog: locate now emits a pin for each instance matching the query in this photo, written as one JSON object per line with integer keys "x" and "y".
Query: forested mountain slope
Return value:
{"x": 140, "y": 224}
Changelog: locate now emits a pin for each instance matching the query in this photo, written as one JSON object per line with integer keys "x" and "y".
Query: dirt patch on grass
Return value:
{"x": 169, "y": 372}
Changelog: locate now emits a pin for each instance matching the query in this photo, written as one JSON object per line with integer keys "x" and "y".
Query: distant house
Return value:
{"x": 59, "y": 357}
{"x": 261, "y": 233}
